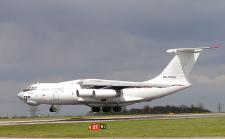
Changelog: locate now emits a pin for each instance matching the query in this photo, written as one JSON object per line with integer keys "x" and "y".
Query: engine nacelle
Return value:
{"x": 97, "y": 93}
{"x": 105, "y": 93}
{"x": 85, "y": 93}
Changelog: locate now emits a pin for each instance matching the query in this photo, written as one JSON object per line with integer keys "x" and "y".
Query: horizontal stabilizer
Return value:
{"x": 190, "y": 50}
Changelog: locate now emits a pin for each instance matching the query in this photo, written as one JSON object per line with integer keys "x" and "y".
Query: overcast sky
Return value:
{"x": 58, "y": 40}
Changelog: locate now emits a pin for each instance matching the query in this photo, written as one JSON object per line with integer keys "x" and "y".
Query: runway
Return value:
{"x": 115, "y": 118}
{"x": 131, "y": 138}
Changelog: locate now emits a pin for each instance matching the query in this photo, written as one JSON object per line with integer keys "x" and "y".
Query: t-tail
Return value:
{"x": 178, "y": 70}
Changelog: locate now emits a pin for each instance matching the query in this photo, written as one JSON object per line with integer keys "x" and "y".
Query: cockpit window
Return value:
{"x": 30, "y": 88}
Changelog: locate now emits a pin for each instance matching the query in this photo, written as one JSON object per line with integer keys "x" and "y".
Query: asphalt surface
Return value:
{"x": 129, "y": 138}
{"x": 115, "y": 118}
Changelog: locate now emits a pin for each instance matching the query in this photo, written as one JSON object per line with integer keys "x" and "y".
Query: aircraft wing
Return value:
{"x": 117, "y": 85}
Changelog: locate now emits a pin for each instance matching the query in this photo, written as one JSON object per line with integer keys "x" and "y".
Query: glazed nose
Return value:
{"x": 20, "y": 95}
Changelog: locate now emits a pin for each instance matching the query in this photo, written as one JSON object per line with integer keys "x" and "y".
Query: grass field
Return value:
{"x": 204, "y": 127}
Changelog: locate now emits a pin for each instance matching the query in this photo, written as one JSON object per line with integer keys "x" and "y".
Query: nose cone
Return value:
{"x": 20, "y": 95}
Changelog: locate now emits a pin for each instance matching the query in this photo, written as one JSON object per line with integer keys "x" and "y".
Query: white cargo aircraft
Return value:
{"x": 111, "y": 95}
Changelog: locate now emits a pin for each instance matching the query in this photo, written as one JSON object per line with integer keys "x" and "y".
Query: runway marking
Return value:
{"x": 115, "y": 118}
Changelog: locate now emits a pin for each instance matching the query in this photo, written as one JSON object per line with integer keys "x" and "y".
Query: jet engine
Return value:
{"x": 85, "y": 93}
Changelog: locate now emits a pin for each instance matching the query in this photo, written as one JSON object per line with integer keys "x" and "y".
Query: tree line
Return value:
{"x": 169, "y": 109}
{"x": 162, "y": 110}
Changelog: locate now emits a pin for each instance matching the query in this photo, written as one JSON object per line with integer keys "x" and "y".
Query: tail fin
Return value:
{"x": 179, "y": 68}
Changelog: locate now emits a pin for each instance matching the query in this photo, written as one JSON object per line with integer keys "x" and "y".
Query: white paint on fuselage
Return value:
{"x": 64, "y": 93}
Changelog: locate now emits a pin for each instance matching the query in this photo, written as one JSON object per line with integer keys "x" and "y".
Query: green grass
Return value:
{"x": 204, "y": 127}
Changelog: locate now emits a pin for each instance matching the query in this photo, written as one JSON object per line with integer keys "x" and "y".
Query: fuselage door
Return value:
{"x": 55, "y": 97}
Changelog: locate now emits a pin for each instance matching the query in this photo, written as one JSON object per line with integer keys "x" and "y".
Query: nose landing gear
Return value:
{"x": 53, "y": 109}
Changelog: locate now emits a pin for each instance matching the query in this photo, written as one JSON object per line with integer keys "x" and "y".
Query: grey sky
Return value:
{"x": 55, "y": 40}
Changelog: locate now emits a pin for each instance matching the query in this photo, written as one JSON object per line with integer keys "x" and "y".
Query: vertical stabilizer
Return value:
{"x": 178, "y": 70}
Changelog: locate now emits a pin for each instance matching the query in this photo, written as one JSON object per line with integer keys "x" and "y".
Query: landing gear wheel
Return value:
{"x": 117, "y": 109}
{"x": 53, "y": 109}
{"x": 106, "y": 109}
{"x": 95, "y": 109}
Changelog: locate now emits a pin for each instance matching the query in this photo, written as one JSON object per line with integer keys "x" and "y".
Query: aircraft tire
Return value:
{"x": 95, "y": 109}
{"x": 117, "y": 109}
{"x": 106, "y": 109}
{"x": 52, "y": 109}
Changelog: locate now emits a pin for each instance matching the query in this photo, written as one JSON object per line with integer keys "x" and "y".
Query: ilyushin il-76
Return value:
{"x": 112, "y": 95}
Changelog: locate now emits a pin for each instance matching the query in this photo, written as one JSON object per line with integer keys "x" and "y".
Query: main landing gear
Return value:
{"x": 95, "y": 109}
{"x": 117, "y": 109}
{"x": 106, "y": 109}
{"x": 53, "y": 109}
